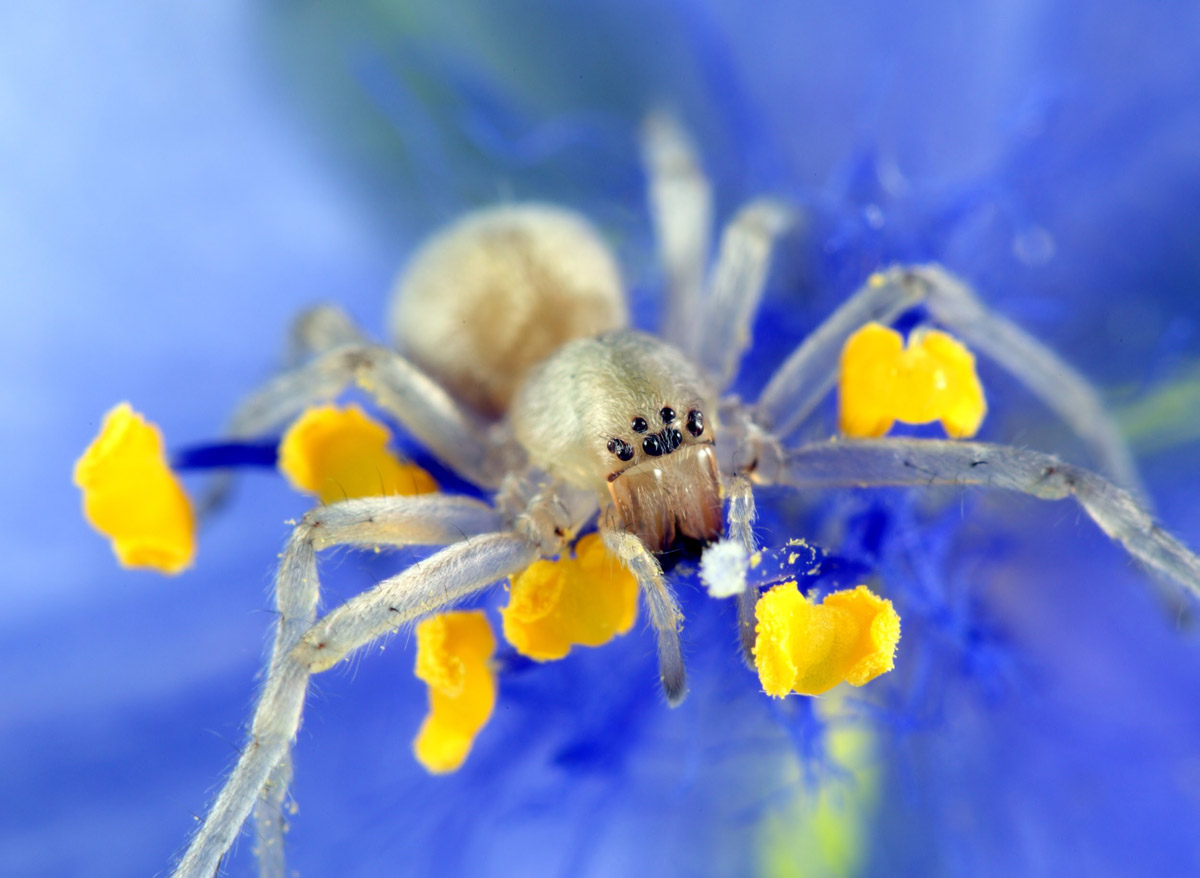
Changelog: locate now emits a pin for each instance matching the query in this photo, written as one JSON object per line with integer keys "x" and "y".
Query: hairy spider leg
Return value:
{"x": 740, "y": 517}
{"x": 810, "y": 372}
{"x": 679, "y": 198}
{"x": 925, "y": 462}
{"x": 316, "y": 330}
{"x": 320, "y": 329}
{"x": 665, "y": 615}
{"x": 428, "y": 587}
{"x": 736, "y": 285}
{"x": 276, "y": 717}
{"x": 710, "y": 321}
{"x": 367, "y": 523}
{"x": 269, "y": 823}
{"x": 428, "y": 412}
{"x": 304, "y": 646}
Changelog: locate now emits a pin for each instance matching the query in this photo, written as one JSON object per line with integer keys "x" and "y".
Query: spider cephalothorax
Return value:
{"x": 600, "y": 413}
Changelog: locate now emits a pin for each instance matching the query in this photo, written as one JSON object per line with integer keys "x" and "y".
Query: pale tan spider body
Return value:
{"x": 519, "y": 309}
{"x": 624, "y": 414}
{"x": 492, "y": 295}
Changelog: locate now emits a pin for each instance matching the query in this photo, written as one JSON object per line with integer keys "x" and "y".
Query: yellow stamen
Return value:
{"x": 810, "y": 648}
{"x": 131, "y": 496}
{"x": 340, "y": 453}
{"x": 881, "y": 381}
{"x": 453, "y": 650}
{"x": 586, "y": 600}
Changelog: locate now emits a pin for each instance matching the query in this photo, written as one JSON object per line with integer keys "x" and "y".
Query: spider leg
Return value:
{"x": 867, "y": 463}
{"x": 665, "y": 615}
{"x": 427, "y": 587}
{"x": 366, "y": 523}
{"x": 451, "y": 432}
{"x": 740, "y": 528}
{"x": 681, "y": 214}
{"x": 314, "y": 331}
{"x": 269, "y": 822}
{"x": 276, "y": 717}
{"x": 811, "y": 371}
{"x": 736, "y": 286}
{"x": 319, "y": 329}
{"x": 423, "y": 520}
{"x": 472, "y": 563}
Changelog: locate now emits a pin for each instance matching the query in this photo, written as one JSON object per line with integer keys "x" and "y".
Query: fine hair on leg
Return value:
{"x": 450, "y": 431}
{"x": 276, "y": 716}
{"x": 270, "y": 823}
{"x": 741, "y": 516}
{"x": 924, "y": 462}
{"x": 427, "y": 587}
{"x": 302, "y": 648}
{"x": 680, "y": 202}
{"x": 665, "y": 615}
{"x": 810, "y": 372}
{"x": 736, "y": 286}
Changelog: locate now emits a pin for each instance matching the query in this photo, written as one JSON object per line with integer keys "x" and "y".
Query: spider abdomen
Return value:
{"x": 494, "y": 294}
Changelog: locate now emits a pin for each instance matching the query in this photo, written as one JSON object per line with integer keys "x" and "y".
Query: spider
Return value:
{"x": 518, "y": 371}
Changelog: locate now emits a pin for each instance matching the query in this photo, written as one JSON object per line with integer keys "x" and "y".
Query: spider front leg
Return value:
{"x": 923, "y": 462}
{"x": 810, "y": 373}
{"x": 477, "y": 559}
{"x": 740, "y": 528}
{"x": 665, "y": 615}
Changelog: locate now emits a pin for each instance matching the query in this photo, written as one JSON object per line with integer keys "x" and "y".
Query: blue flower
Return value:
{"x": 183, "y": 182}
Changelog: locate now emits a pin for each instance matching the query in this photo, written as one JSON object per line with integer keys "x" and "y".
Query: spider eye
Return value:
{"x": 667, "y": 414}
{"x": 695, "y": 422}
{"x": 653, "y": 446}
{"x": 640, "y": 425}
{"x": 673, "y": 438}
{"x": 621, "y": 449}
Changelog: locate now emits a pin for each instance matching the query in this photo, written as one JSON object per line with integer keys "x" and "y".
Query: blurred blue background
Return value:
{"x": 179, "y": 182}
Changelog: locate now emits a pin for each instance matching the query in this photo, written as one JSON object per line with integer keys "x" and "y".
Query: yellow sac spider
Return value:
{"x": 514, "y": 365}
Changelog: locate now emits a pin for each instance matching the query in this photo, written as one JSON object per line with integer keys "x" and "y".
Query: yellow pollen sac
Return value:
{"x": 880, "y": 381}
{"x": 809, "y": 648}
{"x": 586, "y": 600}
{"x": 453, "y": 650}
{"x": 131, "y": 496}
{"x": 341, "y": 453}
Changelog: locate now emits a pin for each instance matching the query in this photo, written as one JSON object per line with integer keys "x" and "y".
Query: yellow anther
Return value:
{"x": 453, "y": 650}
{"x": 341, "y": 453}
{"x": 586, "y": 600}
{"x": 809, "y": 648}
{"x": 933, "y": 379}
{"x": 131, "y": 496}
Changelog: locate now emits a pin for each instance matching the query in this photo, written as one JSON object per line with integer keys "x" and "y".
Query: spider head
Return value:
{"x": 626, "y": 412}
{"x": 671, "y": 490}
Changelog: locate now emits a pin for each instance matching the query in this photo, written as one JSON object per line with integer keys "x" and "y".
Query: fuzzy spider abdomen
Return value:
{"x": 494, "y": 294}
